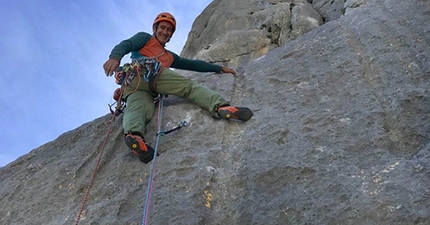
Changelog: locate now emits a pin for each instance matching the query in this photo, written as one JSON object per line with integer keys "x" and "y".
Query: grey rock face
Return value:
{"x": 333, "y": 9}
{"x": 340, "y": 135}
{"x": 330, "y": 9}
{"x": 237, "y": 31}
{"x": 352, "y": 4}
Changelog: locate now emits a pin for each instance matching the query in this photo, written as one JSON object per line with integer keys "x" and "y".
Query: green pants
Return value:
{"x": 140, "y": 103}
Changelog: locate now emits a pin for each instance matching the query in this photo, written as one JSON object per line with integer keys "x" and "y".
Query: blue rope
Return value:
{"x": 151, "y": 176}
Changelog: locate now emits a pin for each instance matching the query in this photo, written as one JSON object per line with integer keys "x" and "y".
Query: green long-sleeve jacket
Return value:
{"x": 139, "y": 40}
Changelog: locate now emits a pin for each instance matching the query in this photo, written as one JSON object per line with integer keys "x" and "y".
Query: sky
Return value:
{"x": 52, "y": 77}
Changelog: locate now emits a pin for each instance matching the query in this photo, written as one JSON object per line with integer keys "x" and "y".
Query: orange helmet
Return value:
{"x": 165, "y": 16}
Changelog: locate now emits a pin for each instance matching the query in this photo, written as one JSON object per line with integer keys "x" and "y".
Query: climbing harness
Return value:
{"x": 144, "y": 67}
{"x": 147, "y": 68}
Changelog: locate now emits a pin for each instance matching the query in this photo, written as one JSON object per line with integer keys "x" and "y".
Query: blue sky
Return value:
{"x": 52, "y": 78}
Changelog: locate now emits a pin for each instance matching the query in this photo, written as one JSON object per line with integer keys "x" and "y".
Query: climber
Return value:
{"x": 139, "y": 96}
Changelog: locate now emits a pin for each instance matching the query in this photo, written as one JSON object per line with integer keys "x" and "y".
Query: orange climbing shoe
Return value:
{"x": 239, "y": 113}
{"x": 141, "y": 149}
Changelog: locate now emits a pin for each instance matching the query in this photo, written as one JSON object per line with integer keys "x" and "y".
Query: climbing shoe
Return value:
{"x": 141, "y": 149}
{"x": 238, "y": 113}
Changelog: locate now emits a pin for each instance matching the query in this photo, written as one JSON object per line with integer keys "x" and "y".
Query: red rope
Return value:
{"x": 78, "y": 218}
{"x": 81, "y": 210}
{"x": 95, "y": 171}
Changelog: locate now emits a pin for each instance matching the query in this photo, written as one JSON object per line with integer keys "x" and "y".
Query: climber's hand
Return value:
{"x": 228, "y": 70}
{"x": 111, "y": 66}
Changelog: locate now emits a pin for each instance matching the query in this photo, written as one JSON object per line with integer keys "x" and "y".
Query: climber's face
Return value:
{"x": 163, "y": 32}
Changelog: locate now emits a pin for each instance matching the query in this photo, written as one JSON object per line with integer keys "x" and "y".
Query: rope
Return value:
{"x": 78, "y": 218}
{"x": 95, "y": 171}
{"x": 151, "y": 176}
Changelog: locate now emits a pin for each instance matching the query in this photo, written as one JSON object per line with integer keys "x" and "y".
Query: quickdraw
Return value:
{"x": 181, "y": 124}
{"x": 119, "y": 108}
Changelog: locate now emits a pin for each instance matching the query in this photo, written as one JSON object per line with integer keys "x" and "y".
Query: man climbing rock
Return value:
{"x": 140, "y": 92}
